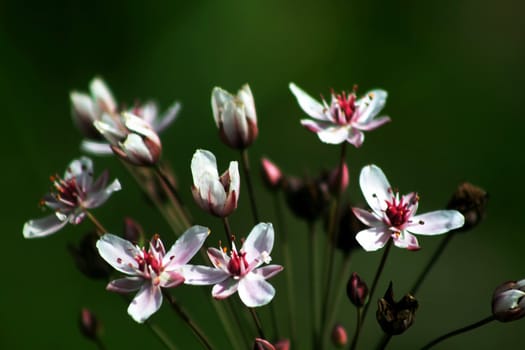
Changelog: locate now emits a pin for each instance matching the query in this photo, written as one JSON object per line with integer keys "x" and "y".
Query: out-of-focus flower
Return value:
{"x": 337, "y": 181}
{"x": 88, "y": 260}
{"x": 346, "y": 230}
{"x": 235, "y": 116}
{"x": 307, "y": 199}
{"x": 101, "y": 106}
{"x": 396, "y": 317}
{"x": 471, "y": 201}
{"x": 271, "y": 174}
{"x": 357, "y": 290}
{"x": 131, "y": 138}
{"x": 89, "y": 325}
{"x": 133, "y": 231}
{"x": 241, "y": 270}
{"x": 394, "y": 217}
{"x": 149, "y": 270}
{"x": 71, "y": 196}
{"x": 339, "y": 336}
{"x": 508, "y": 301}
{"x": 345, "y": 118}
{"x": 218, "y": 195}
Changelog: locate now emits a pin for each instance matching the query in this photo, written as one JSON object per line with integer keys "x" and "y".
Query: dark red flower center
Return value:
{"x": 234, "y": 266}
{"x": 148, "y": 260}
{"x": 67, "y": 191}
{"x": 397, "y": 212}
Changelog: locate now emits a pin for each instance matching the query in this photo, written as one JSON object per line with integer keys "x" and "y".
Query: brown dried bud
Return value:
{"x": 395, "y": 318}
{"x": 471, "y": 201}
{"x": 508, "y": 301}
{"x": 271, "y": 174}
{"x": 339, "y": 336}
{"x": 88, "y": 260}
{"x": 307, "y": 199}
{"x": 89, "y": 325}
{"x": 357, "y": 290}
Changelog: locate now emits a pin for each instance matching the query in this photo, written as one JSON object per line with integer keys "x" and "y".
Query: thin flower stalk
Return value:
{"x": 314, "y": 283}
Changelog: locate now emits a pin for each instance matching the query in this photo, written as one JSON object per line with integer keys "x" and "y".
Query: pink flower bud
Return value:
{"x": 336, "y": 176}
{"x": 357, "y": 290}
{"x": 89, "y": 325}
{"x": 508, "y": 302}
{"x": 339, "y": 336}
{"x": 271, "y": 174}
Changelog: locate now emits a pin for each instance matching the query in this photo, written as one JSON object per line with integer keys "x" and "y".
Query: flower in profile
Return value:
{"x": 71, "y": 197}
{"x": 149, "y": 271}
{"x": 235, "y": 116}
{"x": 100, "y": 105}
{"x": 241, "y": 271}
{"x": 218, "y": 195}
{"x": 394, "y": 217}
{"x": 508, "y": 301}
{"x": 345, "y": 118}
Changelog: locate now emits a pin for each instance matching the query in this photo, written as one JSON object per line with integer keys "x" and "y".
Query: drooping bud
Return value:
{"x": 307, "y": 199}
{"x": 133, "y": 232}
{"x": 89, "y": 325}
{"x": 395, "y": 318}
{"x": 339, "y": 336}
{"x": 357, "y": 290}
{"x": 271, "y": 174}
{"x": 508, "y": 301}
{"x": 235, "y": 116}
{"x": 338, "y": 181}
{"x": 88, "y": 260}
{"x": 262, "y": 344}
{"x": 471, "y": 201}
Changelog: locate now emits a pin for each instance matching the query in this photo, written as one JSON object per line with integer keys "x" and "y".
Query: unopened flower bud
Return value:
{"x": 235, "y": 116}
{"x": 282, "y": 344}
{"x": 357, "y": 290}
{"x": 395, "y": 318}
{"x": 89, "y": 325}
{"x": 262, "y": 344}
{"x": 133, "y": 232}
{"x": 339, "y": 336}
{"x": 88, "y": 260}
{"x": 338, "y": 181}
{"x": 471, "y": 201}
{"x": 271, "y": 174}
{"x": 307, "y": 199}
{"x": 508, "y": 301}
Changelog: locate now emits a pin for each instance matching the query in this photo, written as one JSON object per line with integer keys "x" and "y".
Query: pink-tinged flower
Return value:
{"x": 508, "y": 301}
{"x": 394, "y": 217}
{"x": 100, "y": 105}
{"x": 218, "y": 195}
{"x": 235, "y": 116}
{"x": 240, "y": 271}
{"x": 72, "y": 195}
{"x": 345, "y": 118}
{"x": 149, "y": 271}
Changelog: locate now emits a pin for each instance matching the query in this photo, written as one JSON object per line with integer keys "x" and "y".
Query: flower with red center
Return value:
{"x": 394, "y": 217}
{"x": 71, "y": 196}
{"x": 345, "y": 118}
{"x": 149, "y": 270}
{"x": 241, "y": 270}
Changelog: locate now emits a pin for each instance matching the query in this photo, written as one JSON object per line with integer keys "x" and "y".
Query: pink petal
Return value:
{"x": 171, "y": 279}
{"x": 254, "y": 291}
{"x": 375, "y": 187}
{"x": 43, "y": 227}
{"x": 259, "y": 240}
{"x": 372, "y": 124}
{"x": 225, "y": 288}
{"x": 309, "y": 105}
{"x": 147, "y": 301}
{"x": 185, "y": 247}
{"x": 436, "y": 222}
{"x": 168, "y": 117}
{"x": 406, "y": 240}
{"x": 355, "y": 137}
{"x": 98, "y": 198}
{"x": 366, "y": 217}
{"x": 203, "y": 275}
{"x": 218, "y": 258}
{"x": 268, "y": 271}
{"x": 119, "y": 253}
{"x": 96, "y": 147}
{"x": 125, "y": 285}
{"x": 373, "y": 238}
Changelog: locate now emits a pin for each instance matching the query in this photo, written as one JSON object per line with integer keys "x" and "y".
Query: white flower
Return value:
{"x": 214, "y": 194}
{"x": 235, "y": 116}
{"x": 72, "y": 195}
{"x": 508, "y": 301}
{"x": 394, "y": 217}
{"x": 150, "y": 270}
{"x": 345, "y": 118}
{"x": 241, "y": 270}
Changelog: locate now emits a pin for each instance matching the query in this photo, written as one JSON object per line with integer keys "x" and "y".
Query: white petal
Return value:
{"x": 372, "y": 124}
{"x": 309, "y": 105}
{"x": 218, "y": 258}
{"x": 203, "y": 162}
{"x": 370, "y": 105}
{"x": 260, "y": 240}
{"x": 136, "y": 149}
{"x": 138, "y": 125}
{"x": 355, "y": 137}
{"x": 202, "y": 275}
{"x": 43, "y": 227}
{"x": 96, "y": 147}
{"x": 77, "y": 167}
{"x": 147, "y": 301}
{"x": 406, "y": 240}
{"x": 375, "y": 187}
{"x": 219, "y": 98}
{"x": 125, "y": 285}
{"x": 334, "y": 134}
{"x": 102, "y": 95}
{"x": 268, "y": 271}
{"x": 254, "y": 291}
{"x": 436, "y": 222}
{"x": 225, "y": 288}
{"x": 235, "y": 179}
{"x": 246, "y": 96}
{"x": 366, "y": 217}
{"x": 119, "y": 253}
{"x": 234, "y": 123}
{"x": 98, "y": 198}
{"x": 168, "y": 117}
{"x": 185, "y": 247}
{"x": 373, "y": 238}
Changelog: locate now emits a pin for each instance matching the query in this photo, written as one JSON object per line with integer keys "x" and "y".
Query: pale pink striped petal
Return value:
{"x": 254, "y": 291}
{"x": 147, "y": 301}
{"x": 225, "y": 288}
{"x": 125, "y": 285}
{"x": 373, "y": 238}
{"x": 185, "y": 247}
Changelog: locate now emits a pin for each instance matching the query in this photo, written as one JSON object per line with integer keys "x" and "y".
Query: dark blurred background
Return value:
{"x": 455, "y": 76}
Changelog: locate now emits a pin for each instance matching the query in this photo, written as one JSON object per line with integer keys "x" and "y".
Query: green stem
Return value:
{"x": 257, "y": 322}
{"x": 161, "y": 335}
{"x": 100, "y": 345}
{"x": 459, "y": 331}
{"x": 174, "y": 196}
{"x": 100, "y": 228}
{"x": 385, "y": 341}
{"x": 228, "y": 231}
{"x": 247, "y": 175}
{"x": 314, "y": 283}
{"x": 358, "y": 324}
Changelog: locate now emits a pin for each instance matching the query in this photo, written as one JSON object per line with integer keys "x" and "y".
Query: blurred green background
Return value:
{"x": 455, "y": 76}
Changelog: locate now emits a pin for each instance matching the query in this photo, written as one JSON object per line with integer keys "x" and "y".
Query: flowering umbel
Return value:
{"x": 235, "y": 116}
{"x": 218, "y": 195}
{"x": 345, "y": 119}
{"x": 241, "y": 270}
{"x": 508, "y": 301}
{"x": 71, "y": 196}
{"x": 394, "y": 217}
{"x": 149, "y": 270}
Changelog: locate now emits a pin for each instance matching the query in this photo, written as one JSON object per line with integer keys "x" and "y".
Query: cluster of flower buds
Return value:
{"x": 396, "y": 317}
{"x": 508, "y": 301}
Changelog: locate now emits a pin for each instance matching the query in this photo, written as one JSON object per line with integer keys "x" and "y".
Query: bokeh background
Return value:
{"x": 455, "y": 76}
